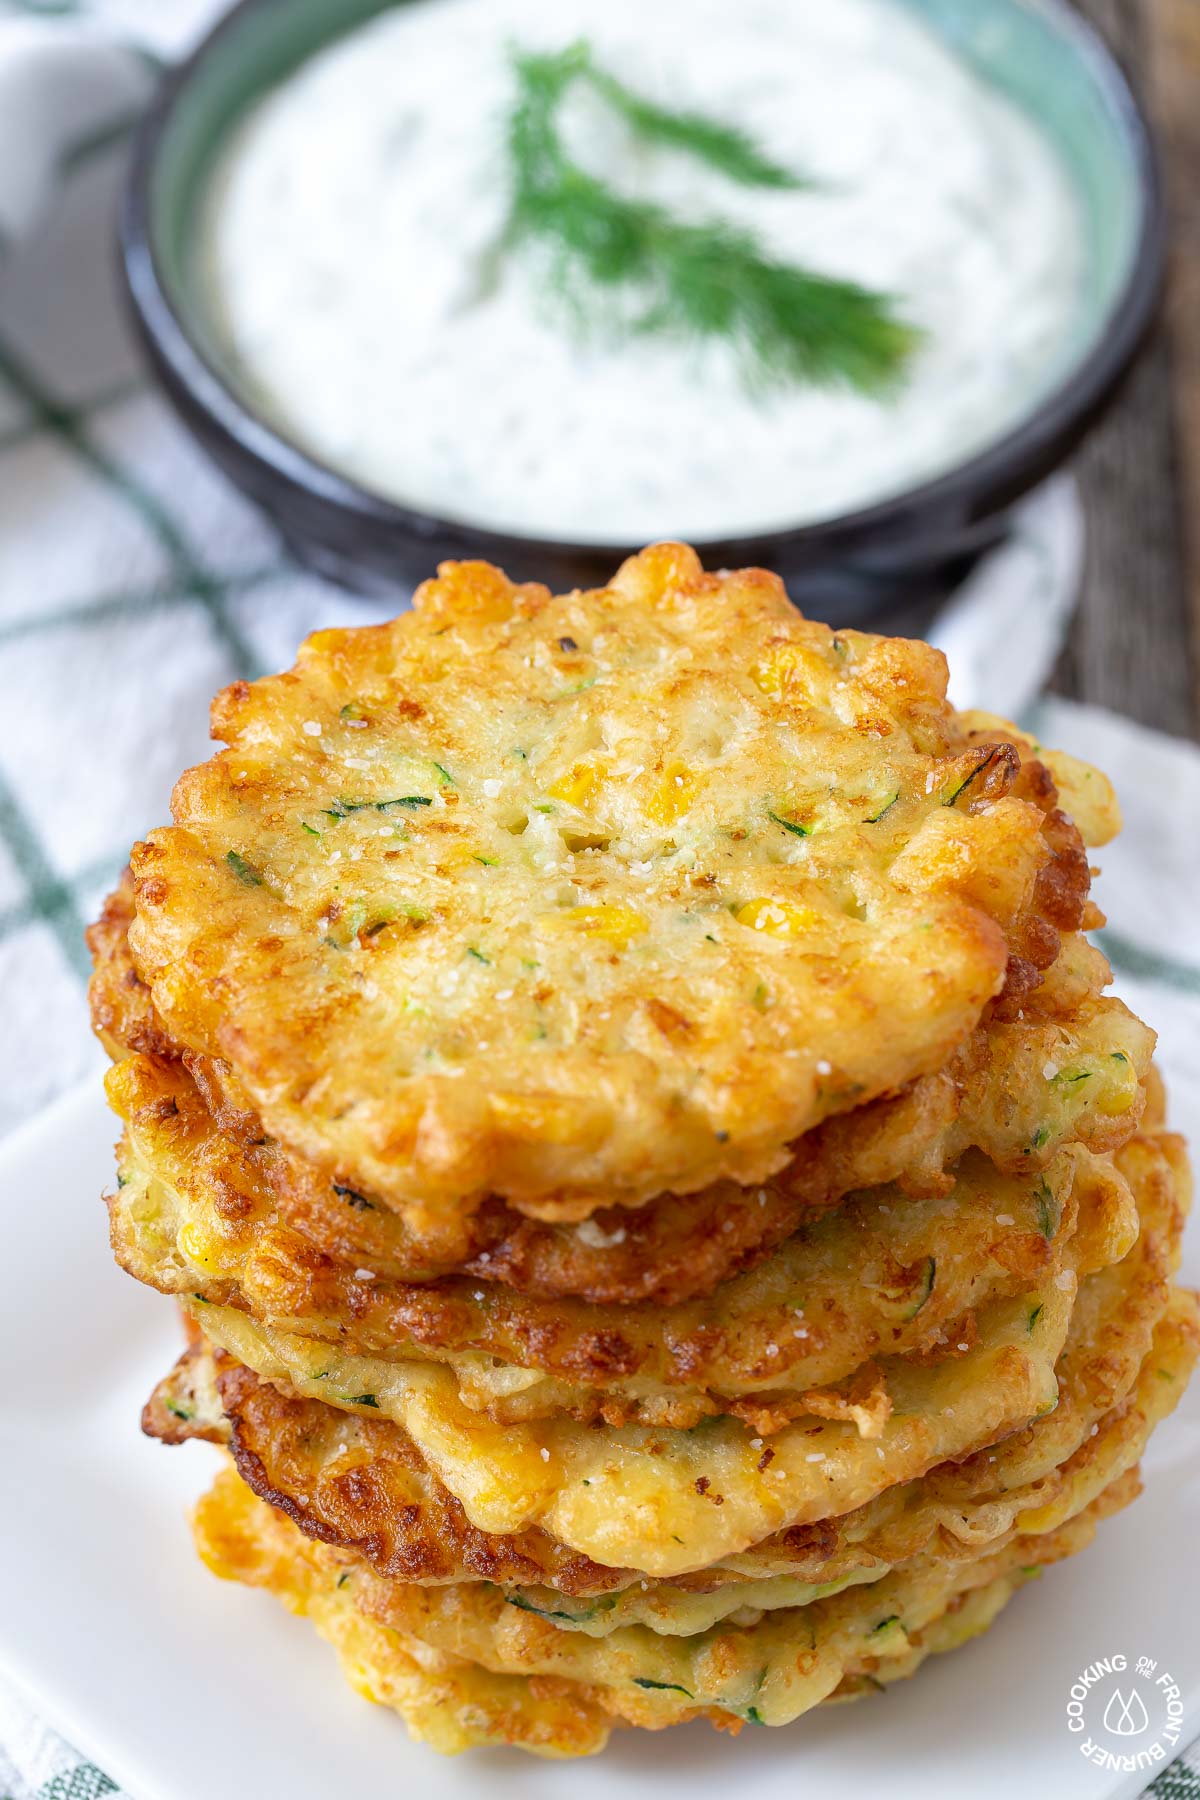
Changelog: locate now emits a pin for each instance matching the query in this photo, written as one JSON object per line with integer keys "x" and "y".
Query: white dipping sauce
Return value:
{"x": 353, "y": 212}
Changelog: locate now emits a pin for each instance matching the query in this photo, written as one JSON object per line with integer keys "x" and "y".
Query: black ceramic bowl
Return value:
{"x": 1039, "y": 51}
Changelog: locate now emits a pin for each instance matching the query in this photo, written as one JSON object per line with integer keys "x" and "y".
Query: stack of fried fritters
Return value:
{"x": 669, "y": 1222}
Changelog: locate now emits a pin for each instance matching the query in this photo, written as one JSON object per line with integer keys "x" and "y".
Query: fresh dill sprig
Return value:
{"x": 704, "y": 279}
{"x": 725, "y": 147}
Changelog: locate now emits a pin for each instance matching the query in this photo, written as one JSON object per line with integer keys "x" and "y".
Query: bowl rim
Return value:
{"x": 1007, "y": 466}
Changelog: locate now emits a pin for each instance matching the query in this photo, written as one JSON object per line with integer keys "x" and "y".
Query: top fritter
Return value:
{"x": 578, "y": 899}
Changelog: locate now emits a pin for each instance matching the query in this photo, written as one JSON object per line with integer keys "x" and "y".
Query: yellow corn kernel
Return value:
{"x": 199, "y": 1247}
{"x": 617, "y": 924}
{"x": 782, "y": 918}
{"x": 580, "y": 786}
{"x": 673, "y": 795}
{"x": 474, "y": 592}
{"x": 783, "y": 668}
{"x": 1117, "y": 1084}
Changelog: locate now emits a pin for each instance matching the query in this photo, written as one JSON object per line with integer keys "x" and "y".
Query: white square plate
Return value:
{"x": 182, "y": 1687}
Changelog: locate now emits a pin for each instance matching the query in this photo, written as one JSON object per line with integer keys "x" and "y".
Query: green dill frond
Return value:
{"x": 726, "y": 148}
{"x": 698, "y": 280}
{"x": 714, "y": 281}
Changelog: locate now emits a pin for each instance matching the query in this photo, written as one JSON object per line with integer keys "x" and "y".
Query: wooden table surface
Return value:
{"x": 1135, "y": 645}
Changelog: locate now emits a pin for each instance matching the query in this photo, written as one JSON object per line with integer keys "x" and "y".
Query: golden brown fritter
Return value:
{"x": 767, "y": 1673}
{"x": 883, "y": 1274}
{"x": 768, "y": 1665}
{"x": 358, "y": 1485}
{"x": 504, "y": 1478}
{"x": 668, "y": 1501}
{"x": 454, "y": 1705}
{"x": 996, "y": 1093}
{"x": 358, "y": 1482}
{"x": 580, "y": 900}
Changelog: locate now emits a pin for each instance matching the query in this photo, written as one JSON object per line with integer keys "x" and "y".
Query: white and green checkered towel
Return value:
{"x": 134, "y": 583}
